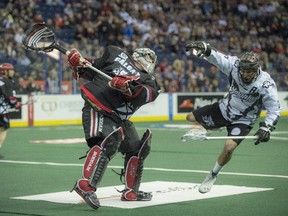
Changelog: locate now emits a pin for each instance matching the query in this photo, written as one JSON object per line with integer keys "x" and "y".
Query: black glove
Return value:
{"x": 263, "y": 133}
{"x": 202, "y": 49}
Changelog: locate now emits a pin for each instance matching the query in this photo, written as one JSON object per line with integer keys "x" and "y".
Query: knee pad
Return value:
{"x": 112, "y": 142}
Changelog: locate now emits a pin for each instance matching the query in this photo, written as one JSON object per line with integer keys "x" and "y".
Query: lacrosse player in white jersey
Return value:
{"x": 250, "y": 90}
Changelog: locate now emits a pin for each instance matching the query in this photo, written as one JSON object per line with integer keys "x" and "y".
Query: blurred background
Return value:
{"x": 233, "y": 27}
{"x": 33, "y": 166}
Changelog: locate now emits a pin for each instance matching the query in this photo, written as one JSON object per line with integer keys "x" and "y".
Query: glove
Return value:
{"x": 121, "y": 83}
{"x": 18, "y": 105}
{"x": 202, "y": 49}
{"x": 263, "y": 133}
{"x": 77, "y": 63}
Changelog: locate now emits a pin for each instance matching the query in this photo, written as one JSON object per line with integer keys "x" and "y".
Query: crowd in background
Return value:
{"x": 233, "y": 27}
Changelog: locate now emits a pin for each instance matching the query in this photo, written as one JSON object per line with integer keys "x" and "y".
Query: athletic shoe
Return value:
{"x": 130, "y": 195}
{"x": 207, "y": 183}
{"x": 87, "y": 192}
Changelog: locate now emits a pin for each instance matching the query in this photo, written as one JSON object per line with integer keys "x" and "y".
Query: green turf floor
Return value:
{"x": 265, "y": 165}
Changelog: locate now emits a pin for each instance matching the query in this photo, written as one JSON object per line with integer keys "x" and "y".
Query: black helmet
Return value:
{"x": 249, "y": 67}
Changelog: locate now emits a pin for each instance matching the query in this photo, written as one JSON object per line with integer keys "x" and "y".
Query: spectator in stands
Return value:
{"x": 53, "y": 83}
{"x": 31, "y": 87}
{"x": 163, "y": 26}
{"x": 20, "y": 86}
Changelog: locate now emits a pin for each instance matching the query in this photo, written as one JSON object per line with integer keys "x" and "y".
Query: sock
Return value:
{"x": 216, "y": 169}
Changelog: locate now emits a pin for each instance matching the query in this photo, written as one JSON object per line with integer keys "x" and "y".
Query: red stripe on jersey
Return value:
{"x": 136, "y": 93}
{"x": 150, "y": 94}
{"x": 94, "y": 100}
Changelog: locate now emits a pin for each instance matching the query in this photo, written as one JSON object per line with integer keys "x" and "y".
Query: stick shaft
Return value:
{"x": 99, "y": 72}
{"x": 66, "y": 52}
{"x": 231, "y": 137}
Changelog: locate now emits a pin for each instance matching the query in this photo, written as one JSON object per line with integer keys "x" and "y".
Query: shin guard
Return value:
{"x": 99, "y": 156}
{"x": 134, "y": 169}
{"x": 95, "y": 166}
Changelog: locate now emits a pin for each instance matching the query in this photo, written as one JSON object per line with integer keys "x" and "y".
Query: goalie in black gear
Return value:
{"x": 105, "y": 116}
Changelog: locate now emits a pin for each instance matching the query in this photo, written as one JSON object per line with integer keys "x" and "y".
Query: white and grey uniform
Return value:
{"x": 244, "y": 102}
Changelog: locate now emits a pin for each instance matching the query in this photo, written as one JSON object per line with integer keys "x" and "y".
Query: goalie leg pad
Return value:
{"x": 112, "y": 142}
{"x": 134, "y": 166}
{"x": 145, "y": 145}
{"x": 130, "y": 173}
{"x": 99, "y": 156}
{"x": 134, "y": 169}
{"x": 91, "y": 161}
{"x": 99, "y": 170}
{"x": 133, "y": 177}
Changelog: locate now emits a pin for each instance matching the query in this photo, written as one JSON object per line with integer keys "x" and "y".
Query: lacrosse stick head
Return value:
{"x": 195, "y": 134}
{"x": 39, "y": 37}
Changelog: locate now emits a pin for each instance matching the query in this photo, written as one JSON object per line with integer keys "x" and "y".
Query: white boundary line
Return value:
{"x": 146, "y": 168}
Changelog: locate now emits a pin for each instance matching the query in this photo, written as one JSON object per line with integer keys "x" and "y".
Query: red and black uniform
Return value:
{"x": 105, "y": 118}
{"x": 7, "y": 99}
{"x": 106, "y": 107}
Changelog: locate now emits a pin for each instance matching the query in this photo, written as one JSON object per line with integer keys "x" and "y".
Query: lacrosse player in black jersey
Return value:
{"x": 250, "y": 90}
{"x": 7, "y": 98}
{"x": 105, "y": 116}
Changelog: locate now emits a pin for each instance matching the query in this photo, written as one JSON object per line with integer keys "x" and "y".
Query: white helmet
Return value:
{"x": 146, "y": 58}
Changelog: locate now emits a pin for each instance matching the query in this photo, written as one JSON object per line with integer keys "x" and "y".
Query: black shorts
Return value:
{"x": 4, "y": 121}
{"x": 98, "y": 126}
{"x": 210, "y": 117}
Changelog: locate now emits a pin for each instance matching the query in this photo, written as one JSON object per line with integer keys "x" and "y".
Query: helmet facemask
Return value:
{"x": 249, "y": 66}
{"x": 146, "y": 58}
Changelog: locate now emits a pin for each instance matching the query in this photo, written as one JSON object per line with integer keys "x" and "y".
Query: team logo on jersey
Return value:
{"x": 235, "y": 131}
{"x": 208, "y": 120}
{"x": 267, "y": 84}
{"x": 126, "y": 66}
{"x": 252, "y": 96}
{"x": 117, "y": 71}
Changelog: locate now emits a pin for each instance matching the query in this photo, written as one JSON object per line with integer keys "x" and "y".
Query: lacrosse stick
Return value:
{"x": 29, "y": 101}
{"x": 41, "y": 37}
{"x": 202, "y": 135}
